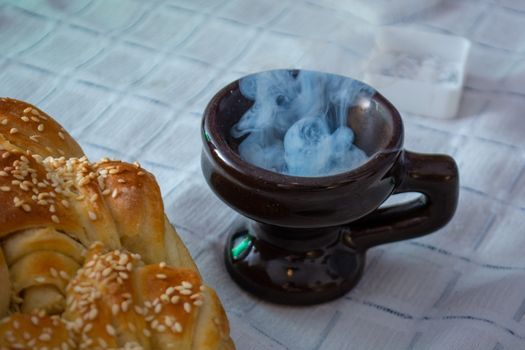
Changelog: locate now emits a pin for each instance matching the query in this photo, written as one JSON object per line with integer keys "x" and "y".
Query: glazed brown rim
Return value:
{"x": 218, "y": 149}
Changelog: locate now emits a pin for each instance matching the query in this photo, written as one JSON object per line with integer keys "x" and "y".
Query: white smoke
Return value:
{"x": 298, "y": 122}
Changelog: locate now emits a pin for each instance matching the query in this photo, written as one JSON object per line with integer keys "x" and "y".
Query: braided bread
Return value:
{"x": 88, "y": 260}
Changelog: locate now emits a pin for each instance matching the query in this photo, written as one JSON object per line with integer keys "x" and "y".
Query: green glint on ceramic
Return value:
{"x": 241, "y": 247}
{"x": 206, "y": 136}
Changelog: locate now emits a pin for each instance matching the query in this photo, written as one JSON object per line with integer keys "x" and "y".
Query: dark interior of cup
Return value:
{"x": 370, "y": 120}
{"x": 372, "y": 124}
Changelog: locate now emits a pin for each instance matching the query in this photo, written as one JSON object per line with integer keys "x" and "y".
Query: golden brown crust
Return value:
{"x": 212, "y": 327}
{"x": 5, "y": 291}
{"x": 25, "y": 127}
{"x": 41, "y": 262}
{"x": 56, "y": 193}
{"x": 135, "y": 204}
{"x": 176, "y": 252}
{"x": 115, "y": 301}
{"x": 35, "y": 331}
{"x": 42, "y": 239}
{"x": 55, "y": 204}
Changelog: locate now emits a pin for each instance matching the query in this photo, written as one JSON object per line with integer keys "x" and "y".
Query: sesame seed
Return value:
{"x": 168, "y": 320}
{"x": 65, "y": 203}
{"x": 106, "y": 272}
{"x": 123, "y": 259}
{"x": 25, "y": 119}
{"x": 162, "y": 264}
{"x": 94, "y": 197}
{"x": 102, "y": 343}
{"x": 5, "y": 155}
{"x": 146, "y": 332}
{"x": 40, "y": 127}
{"x": 61, "y": 135}
{"x": 4, "y": 122}
{"x": 114, "y": 194}
{"x": 185, "y": 292}
{"x": 5, "y": 188}
{"x": 141, "y": 173}
{"x": 34, "y": 112}
{"x": 154, "y": 324}
{"x": 64, "y": 275}
{"x": 111, "y": 331}
{"x": 44, "y": 337}
{"x": 26, "y": 207}
{"x": 198, "y": 302}
{"x": 92, "y": 314}
{"x": 158, "y": 308}
{"x": 186, "y": 284}
{"x": 115, "y": 309}
{"x": 187, "y": 307}
{"x": 106, "y": 192}
{"x": 92, "y": 215}
{"x": 139, "y": 310}
{"x": 13, "y": 131}
{"x": 161, "y": 328}
{"x": 34, "y": 320}
{"x": 174, "y": 299}
{"x": 161, "y": 276}
{"x": 17, "y": 202}
{"x": 3, "y": 173}
{"x": 125, "y": 305}
{"x": 28, "y": 110}
{"x": 52, "y": 208}
{"x": 88, "y": 327}
{"x": 53, "y": 272}
{"x": 55, "y": 219}
{"x": 178, "y": 327}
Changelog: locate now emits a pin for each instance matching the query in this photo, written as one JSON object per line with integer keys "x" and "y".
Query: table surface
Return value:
{"x": 130, "y": 80}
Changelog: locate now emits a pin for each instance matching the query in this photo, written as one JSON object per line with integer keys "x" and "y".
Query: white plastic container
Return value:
{"x": 381, "y": 12}
{"x": 419, "y": 72}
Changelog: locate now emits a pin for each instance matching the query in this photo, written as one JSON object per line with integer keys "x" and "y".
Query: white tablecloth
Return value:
{"x": 130, "y": 80}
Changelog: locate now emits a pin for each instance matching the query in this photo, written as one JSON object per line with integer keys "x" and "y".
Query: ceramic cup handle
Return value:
{"x": 434, "y": 176}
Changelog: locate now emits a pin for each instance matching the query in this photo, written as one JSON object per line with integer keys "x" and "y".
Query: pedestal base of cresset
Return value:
{"x": 293, "y": 270}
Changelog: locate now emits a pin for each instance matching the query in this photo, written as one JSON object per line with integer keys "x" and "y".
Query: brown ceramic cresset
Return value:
{"x": 306, "y": 237}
